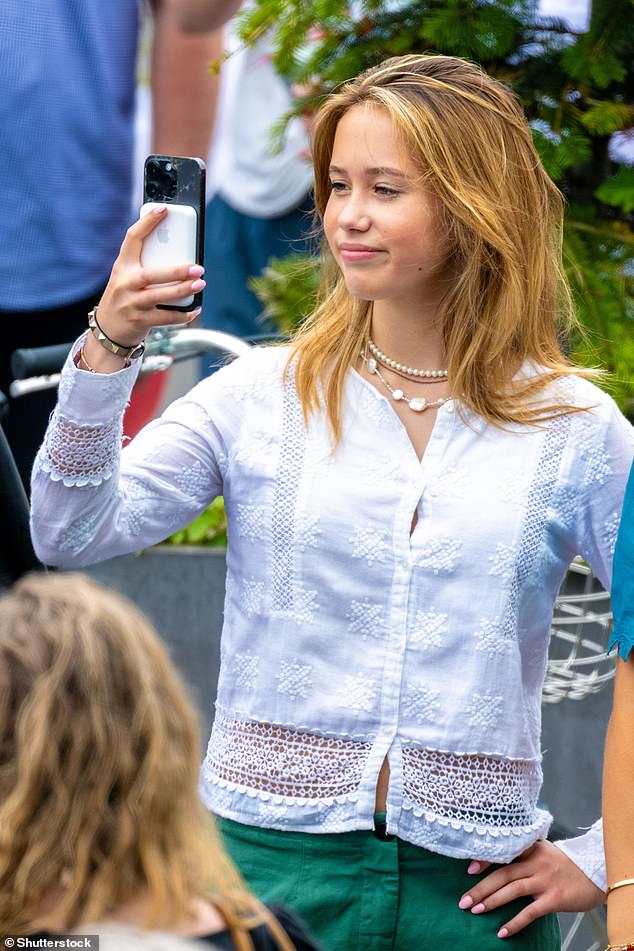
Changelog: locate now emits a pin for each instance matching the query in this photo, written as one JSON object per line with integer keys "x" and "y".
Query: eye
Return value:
{"x": 337, "y": 186}
{"x": 386, "y": 191}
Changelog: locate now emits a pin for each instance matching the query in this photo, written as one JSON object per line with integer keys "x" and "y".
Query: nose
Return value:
{"x": 353, "y": 213}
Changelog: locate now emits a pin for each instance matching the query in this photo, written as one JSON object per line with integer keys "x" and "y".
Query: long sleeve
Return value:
{"x": 92, "y": 501}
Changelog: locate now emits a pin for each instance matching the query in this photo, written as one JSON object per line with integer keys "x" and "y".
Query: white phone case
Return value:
{"x": 172, "y": 242}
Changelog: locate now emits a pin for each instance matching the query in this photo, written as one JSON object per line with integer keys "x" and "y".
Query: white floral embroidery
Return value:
{"x": 381, "y": 469}
{"x": 513, "y": 488}
{"x": 272, "y": 812}
{"x": 484, "y": 710}
{"x": 591, "y": 445}
{"x": 294, "y": 679}
{"x": 307, "y": 532}
{"x": 369, "y": 543}
{"x": 421, "y": 703}
{"x": 429, "y": 628}
{"x": 504, "y": 561}
{"x": 251, "y": 519}
{"x": 441, "y": 554}
{"x": 252, "y": 448}
{"x": 366, "y": 619}
{"x": 253, "y": 596}
{"x": 376, "y": 409}
{"x": 194, "y": 480}
{"x": 333, "y": 817}
{"x": 304, "y": 605}
{"x": 451, "y": 483}
{"x": 566, "y": 505}
{"x": 77, "y": 535}
{"x": 246, "y": 669}
{"x": 611, "y": 530}
{"x": 358, "y": 692}
{"x": 490, "y": 637}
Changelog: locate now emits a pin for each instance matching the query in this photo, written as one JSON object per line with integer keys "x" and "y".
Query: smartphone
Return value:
{"x": 178, "y": 182}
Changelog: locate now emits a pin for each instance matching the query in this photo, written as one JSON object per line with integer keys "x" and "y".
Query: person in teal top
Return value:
{"x": 618, "y": 776}
{"x": 622, "y": 635}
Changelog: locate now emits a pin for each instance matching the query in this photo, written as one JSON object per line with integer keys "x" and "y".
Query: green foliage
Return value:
{"x": 210, "y": 528}
{"x": 288, "y": 289}
{"x": 577, "y": 90}
{"x": 618, "y": 190}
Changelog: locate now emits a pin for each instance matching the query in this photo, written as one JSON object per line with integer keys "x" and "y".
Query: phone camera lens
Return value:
{"x": 167, "y": 181}
{"x": 151, "y": 190}
{"x": 153, "y": 170}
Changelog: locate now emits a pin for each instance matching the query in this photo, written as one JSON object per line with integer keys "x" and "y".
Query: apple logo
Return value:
{"x": 163, "y": 234}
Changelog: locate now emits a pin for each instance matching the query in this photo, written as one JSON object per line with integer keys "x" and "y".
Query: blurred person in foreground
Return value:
{"x": 68, "y": 74}
{"x": 618, "y": 780}
{"x": 99, "y": 813}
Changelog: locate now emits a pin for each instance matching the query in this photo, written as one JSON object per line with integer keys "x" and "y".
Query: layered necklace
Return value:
{"x": 415, "y": 403}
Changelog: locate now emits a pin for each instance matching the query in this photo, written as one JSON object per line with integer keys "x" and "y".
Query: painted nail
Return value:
{"x": 159, "y": 210}
{"x": 474, "y": 868}
{"x": 465, "y": 902}
{"x": 503, "y": 933}
{"x": 196, "y": 312}
{"x": 198, "y": 285}
{"x": 478, "y": 909}
{"x": 196, "y": 270}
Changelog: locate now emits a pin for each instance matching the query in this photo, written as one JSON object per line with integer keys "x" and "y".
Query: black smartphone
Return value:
{"x": 178, "y": 182}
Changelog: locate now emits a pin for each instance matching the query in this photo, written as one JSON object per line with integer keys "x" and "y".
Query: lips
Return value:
{"x": 358, "y": 252}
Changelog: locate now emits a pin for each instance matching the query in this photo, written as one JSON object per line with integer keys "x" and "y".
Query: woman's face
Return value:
{"x": 383, "y": 226}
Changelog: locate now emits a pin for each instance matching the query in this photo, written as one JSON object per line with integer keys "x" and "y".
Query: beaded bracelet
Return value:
{"x": 620, "y": 947}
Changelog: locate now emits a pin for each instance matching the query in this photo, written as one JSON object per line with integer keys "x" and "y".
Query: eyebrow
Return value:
{"x": 380, "y": 170}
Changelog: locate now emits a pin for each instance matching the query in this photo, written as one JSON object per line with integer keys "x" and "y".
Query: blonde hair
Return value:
{"x": 99, "y": 759}
{"x": 510, "y": 301}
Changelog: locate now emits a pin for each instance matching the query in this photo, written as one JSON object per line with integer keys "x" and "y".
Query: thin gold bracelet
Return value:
{"x": 621, "y": 884}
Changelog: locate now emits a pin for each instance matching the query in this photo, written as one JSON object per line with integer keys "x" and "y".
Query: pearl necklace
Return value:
{"x": 415, "y": 403}
{"x": 423, "y": 376}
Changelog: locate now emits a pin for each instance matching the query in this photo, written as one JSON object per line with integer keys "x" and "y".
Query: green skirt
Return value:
{"x": 357, "y": 892}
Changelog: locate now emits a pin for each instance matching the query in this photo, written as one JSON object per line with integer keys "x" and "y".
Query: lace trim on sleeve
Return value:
{"x": 80, "y": 455}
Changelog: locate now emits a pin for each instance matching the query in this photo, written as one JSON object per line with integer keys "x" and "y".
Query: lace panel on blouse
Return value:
{"x": 80, "y": 455}
{"x": 283, "y": 761}
{"x": 472, "y": 788}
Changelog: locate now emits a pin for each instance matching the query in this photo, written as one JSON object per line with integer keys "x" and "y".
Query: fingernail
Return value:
{"x": 198, "y": 285}
{"x": 503, "y": 933}
{"x": 159, "y": 209}
{"x": 196, "y": 270}
{"x": 196, "y": 312}
{"x": 478, "y": 909}
{"x": 474, "y": 868}
{"x": 465, "y": 902}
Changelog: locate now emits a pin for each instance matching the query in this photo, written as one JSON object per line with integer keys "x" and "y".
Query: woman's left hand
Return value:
{"x": 542, "y": 872}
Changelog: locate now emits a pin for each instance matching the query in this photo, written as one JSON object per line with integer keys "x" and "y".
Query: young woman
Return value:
{"x": 619, "y": 749}
{"x": 405, "y": 487}
{"x": 100, "y": 820}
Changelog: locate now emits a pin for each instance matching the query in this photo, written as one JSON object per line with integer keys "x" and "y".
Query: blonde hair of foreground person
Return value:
{"x": 99, "y": 759}
{"x": 510, "y": 301}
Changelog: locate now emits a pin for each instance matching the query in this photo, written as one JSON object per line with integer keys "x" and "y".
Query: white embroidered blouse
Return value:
{"x": 347, "y": 639}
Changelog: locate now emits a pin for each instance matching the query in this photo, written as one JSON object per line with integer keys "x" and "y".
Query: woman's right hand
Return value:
{"x": 127, "y": 310}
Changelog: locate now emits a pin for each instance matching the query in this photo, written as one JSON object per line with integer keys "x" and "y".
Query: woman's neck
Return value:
{"x": 409, "y": 333}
